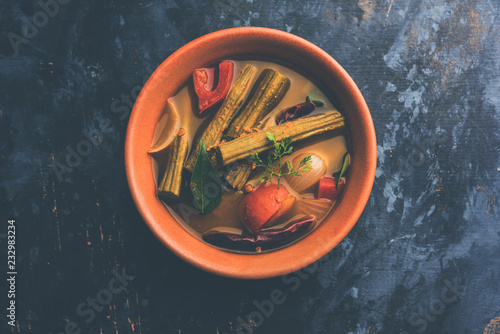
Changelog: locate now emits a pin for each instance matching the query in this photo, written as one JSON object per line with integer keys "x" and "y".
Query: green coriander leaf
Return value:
{"x": 257, "y": 160}
{"x": 269, "y": 160}
{"x": 274, "y": 168}
{"x": 271, "y": 137}
{"x": 305, "y": 164}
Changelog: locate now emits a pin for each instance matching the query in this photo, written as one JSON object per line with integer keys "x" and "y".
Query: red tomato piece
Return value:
{"x": 326, "y": 188}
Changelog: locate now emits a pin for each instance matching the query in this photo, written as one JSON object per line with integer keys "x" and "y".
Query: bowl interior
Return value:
{"x": 248, "y": 43}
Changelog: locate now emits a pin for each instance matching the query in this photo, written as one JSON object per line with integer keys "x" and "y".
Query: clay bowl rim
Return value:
{"x": 227, "y": 44}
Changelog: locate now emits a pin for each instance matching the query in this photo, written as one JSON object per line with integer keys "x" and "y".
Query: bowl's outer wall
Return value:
{"x": 227, "y": 44}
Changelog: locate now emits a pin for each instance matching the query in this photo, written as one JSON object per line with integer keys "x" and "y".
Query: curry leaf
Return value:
{"x": 345, "y": 164}
{"x": 205, "y": 185}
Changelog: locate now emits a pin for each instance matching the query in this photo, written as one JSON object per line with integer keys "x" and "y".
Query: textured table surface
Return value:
{"x": 423, "y": 258}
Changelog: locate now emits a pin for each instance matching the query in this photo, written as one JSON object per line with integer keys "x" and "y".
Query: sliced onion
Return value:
{"x": 309, "y": 178}
{"x": 169, "y": 126}
{"x": 318, "y": 208}
{"x": 224, "y": 229}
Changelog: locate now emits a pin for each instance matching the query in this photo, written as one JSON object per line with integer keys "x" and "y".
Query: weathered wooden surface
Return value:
{"x": 424, "y": 257}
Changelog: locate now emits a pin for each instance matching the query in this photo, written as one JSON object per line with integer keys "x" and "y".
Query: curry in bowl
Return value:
{"x": 250, "y": 155}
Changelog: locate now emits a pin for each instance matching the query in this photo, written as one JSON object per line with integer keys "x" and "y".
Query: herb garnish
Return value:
{"x": 205, "y": 185}
{"x": 272, "y": 168}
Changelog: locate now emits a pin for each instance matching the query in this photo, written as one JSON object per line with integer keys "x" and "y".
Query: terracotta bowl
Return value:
{"x": 229, "y": 44}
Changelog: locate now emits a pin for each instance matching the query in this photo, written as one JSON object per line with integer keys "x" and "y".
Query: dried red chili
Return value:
{"x": 268, "y": 237}
{"x": 300, "y": 110}
{"x": 204, "y": 84}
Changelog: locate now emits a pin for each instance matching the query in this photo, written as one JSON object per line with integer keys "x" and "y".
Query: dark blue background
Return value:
{"x": 430, "y": 73}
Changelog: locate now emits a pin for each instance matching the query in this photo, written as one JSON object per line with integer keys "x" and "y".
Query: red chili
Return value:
{"x": 271, "y": 237}
{"x": 300, "y": 110}
{"x": 204, "y": 83}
